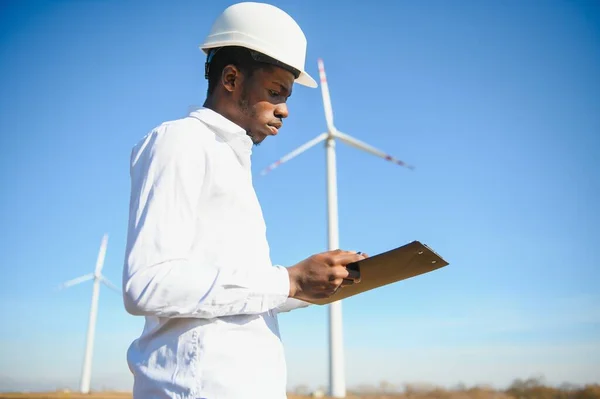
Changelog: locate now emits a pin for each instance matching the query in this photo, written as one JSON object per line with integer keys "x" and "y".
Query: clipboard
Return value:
{"x": 398, "y": 264}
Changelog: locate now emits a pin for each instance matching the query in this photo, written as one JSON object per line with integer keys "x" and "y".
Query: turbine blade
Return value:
{"x": 326, "y": 97}
{"x": 372, "y": 150}
{"x": 101, "y": 254}
{"x": 109, "y": 284}
{"x": 76, "y": 281}
{"x": 295, "y": 153}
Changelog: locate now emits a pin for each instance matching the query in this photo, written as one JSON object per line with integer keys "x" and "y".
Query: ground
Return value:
{"x": 522, "y": 391}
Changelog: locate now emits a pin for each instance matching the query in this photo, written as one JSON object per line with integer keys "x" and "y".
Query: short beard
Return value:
{"x": 249, "y": 134}
{"x": 244, "y": 107}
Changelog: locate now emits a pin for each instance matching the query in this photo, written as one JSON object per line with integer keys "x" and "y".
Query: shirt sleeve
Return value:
{"x": 291, "y": 304}
{"x": 167, "y": 177}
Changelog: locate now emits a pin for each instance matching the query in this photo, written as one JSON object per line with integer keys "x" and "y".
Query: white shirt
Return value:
{"x": 197, "y": 266}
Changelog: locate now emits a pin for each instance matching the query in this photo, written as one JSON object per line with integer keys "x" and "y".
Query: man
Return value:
{"x": 197, "y": 262}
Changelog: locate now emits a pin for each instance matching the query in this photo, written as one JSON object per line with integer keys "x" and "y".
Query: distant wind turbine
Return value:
{"x": 98, "y": 278}
{"x": 337, "y": 384}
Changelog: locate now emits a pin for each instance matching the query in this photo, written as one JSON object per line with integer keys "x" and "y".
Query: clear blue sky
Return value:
{"x": 497, "y": 105}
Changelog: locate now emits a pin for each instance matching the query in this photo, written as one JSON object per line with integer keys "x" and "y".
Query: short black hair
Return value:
{"x": 236, "y": 55}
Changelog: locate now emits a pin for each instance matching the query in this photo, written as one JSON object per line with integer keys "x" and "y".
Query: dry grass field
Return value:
{"x": 516, "y": 391}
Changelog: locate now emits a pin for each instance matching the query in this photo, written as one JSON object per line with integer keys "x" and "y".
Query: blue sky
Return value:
{"x": 495, "y": 103}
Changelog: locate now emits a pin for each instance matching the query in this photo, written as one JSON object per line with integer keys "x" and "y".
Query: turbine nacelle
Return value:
{"x": 97, "y": 274}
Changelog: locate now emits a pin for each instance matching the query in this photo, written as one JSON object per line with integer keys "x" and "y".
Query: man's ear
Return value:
{"x": 230, "y": 78}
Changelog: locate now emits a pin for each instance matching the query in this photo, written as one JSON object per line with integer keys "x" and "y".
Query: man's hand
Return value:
{"x": 321, "y": 275}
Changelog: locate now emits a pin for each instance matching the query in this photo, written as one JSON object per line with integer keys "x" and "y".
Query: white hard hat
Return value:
{"x": 265, "y": 29}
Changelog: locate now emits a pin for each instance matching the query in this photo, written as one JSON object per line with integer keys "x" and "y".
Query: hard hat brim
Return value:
{"x": 306, "y": 80}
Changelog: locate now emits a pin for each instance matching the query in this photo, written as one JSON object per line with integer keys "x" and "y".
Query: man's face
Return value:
{"x": 261, "y": 102}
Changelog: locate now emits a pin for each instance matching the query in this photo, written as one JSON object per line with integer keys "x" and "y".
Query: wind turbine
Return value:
{"x": 337, "y": 383}
{"x": 98, "y": 278}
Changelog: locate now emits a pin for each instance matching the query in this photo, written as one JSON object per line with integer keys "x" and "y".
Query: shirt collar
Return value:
{"x": 231, "y": 133}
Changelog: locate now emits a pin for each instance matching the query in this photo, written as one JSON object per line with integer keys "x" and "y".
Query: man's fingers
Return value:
{"x": 353, "y": 275}
{"x": 339, "y": 272}
{"x": 348, "y": 276}
{"x": 347, "y": 258}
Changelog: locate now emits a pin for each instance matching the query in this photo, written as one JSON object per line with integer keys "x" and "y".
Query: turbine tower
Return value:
{"x": 98, "y": 278}
{"x": 337, "y": 383}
